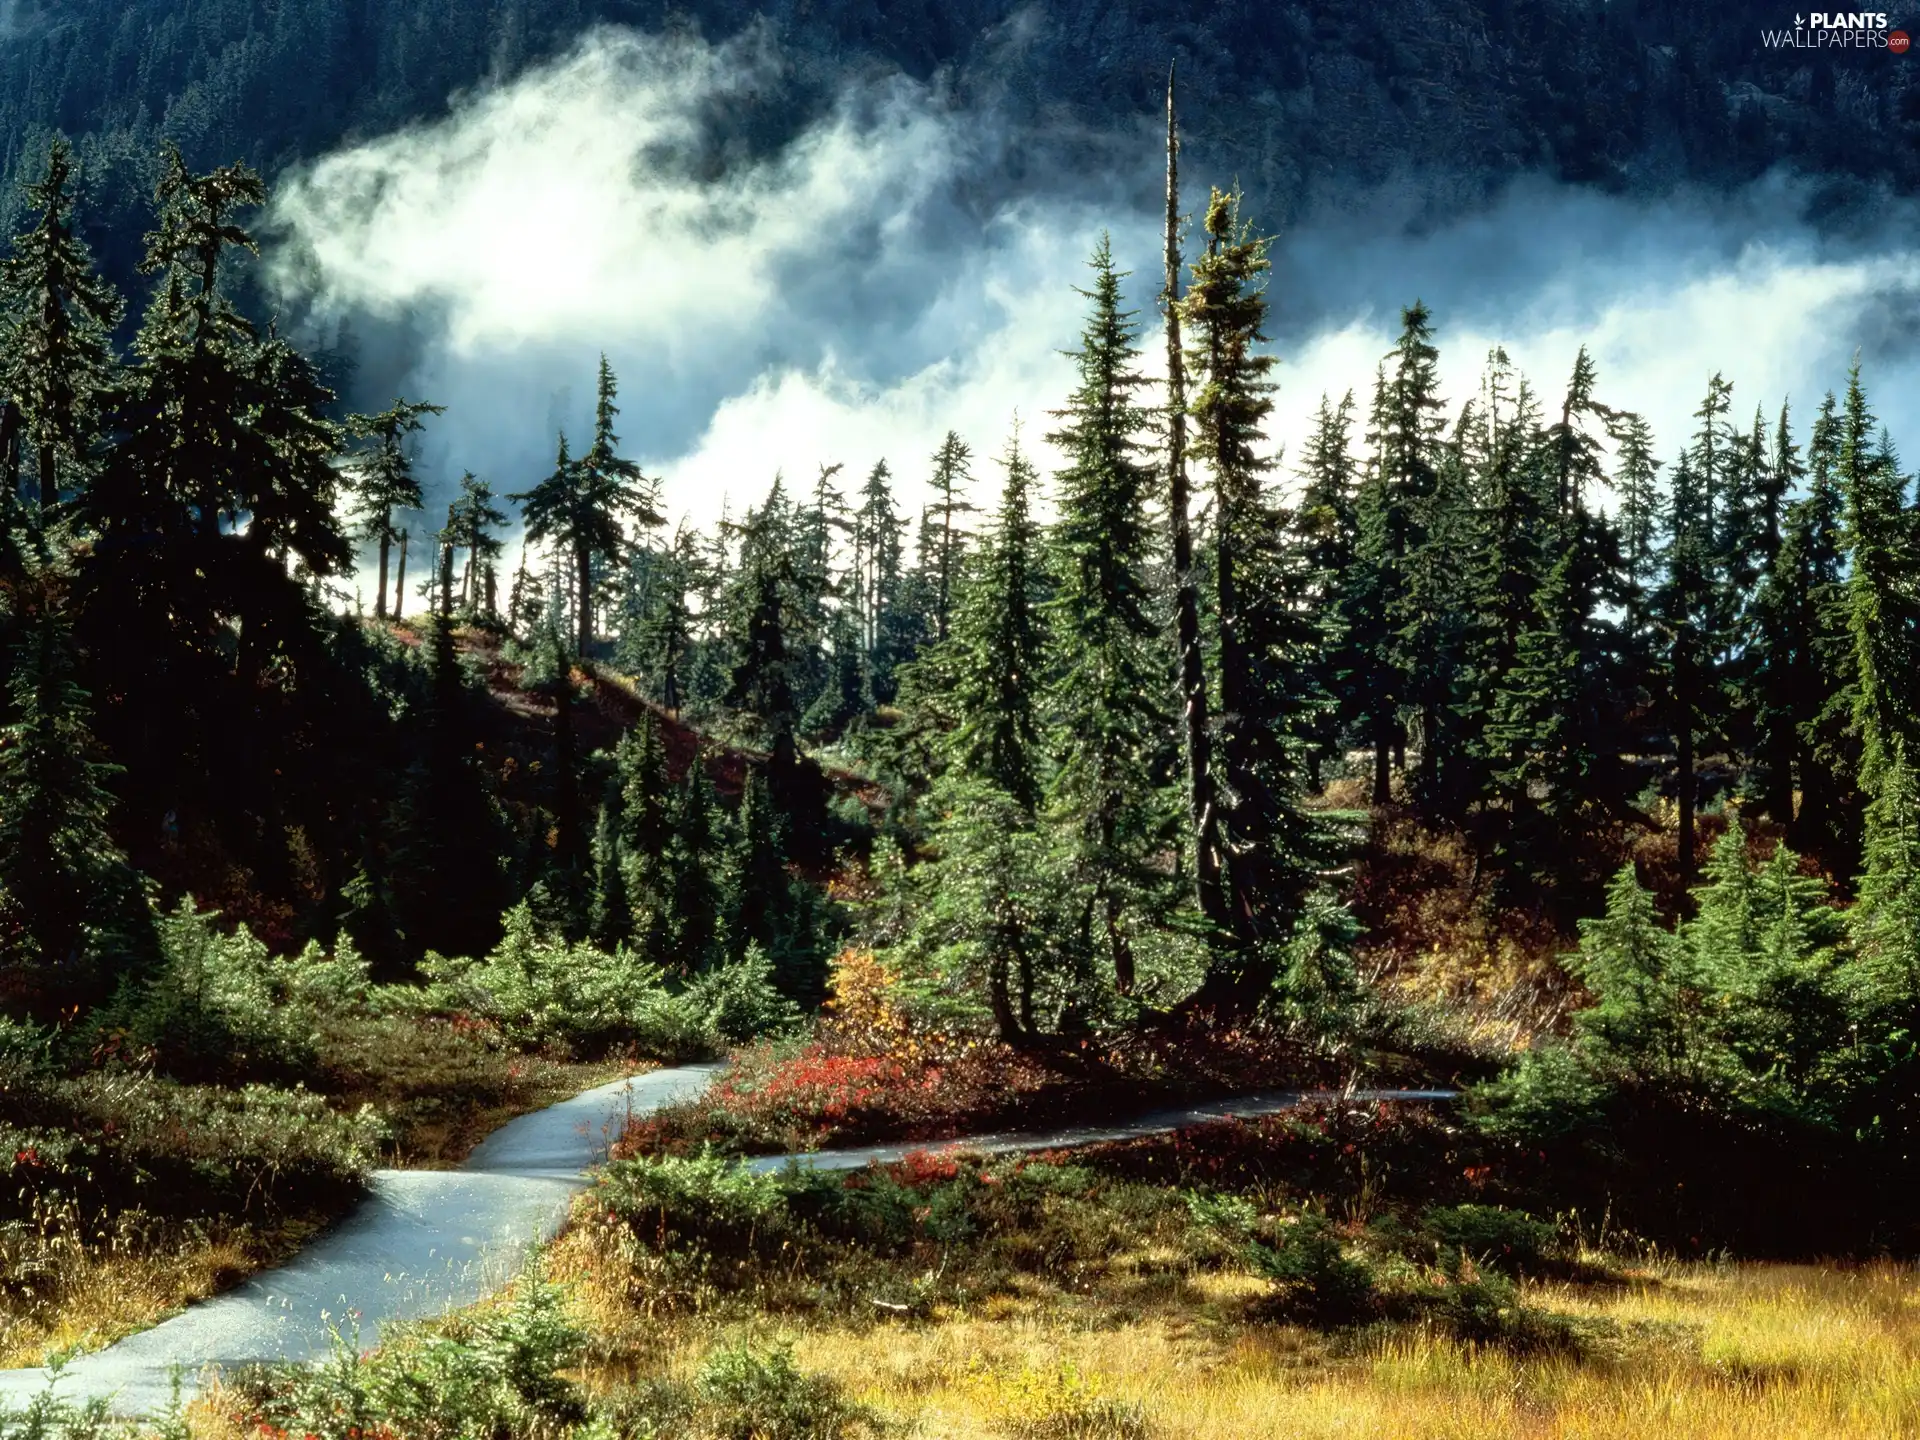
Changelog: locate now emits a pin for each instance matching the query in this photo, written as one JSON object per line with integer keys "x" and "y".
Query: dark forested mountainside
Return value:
{"x": 1294, "y": 99}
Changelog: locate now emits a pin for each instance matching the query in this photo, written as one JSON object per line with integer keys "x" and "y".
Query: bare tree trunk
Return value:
{"x": 400, "y": 585}
{"x": 380, "y": 596}
{"x": 1383, "y": 739}
{"x": 1193, "y": 676}
{"x": 583, "y": 567}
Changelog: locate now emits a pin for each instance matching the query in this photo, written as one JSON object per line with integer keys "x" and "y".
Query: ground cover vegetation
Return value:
{"x": 1471, "y": 748}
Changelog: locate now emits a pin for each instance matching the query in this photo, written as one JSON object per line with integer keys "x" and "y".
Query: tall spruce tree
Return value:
{"x": 1269, "y": 848}
{"x": 1827, "y": 752}
{"x": 585, "y": 507}
{"x": 1105, "y": 707}
{"x": 1196, "y": 728}
{"x": 1883, "y": 614}
{"x": 1325, "y": 529}
{"x": 952, "y": 470}
{"x": 57, "y": 318}
{"x": 1775, "y": 629}
{"x": 60, "y": 871}
{"x": 998, "y": 660}
{"x": 474, "y": 521}
{"x": 385, "y": 483}
{"x": 1686, "y": 617}
{"x": 1637, "y": 515}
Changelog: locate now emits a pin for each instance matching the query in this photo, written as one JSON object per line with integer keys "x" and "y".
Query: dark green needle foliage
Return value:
{"x": 587, "y": 506}
{"x": 57, "y": 317}
{"x": 385, "y": 483}
{"x": 1266, "y": 641}
{"x": 1107, "y": 701}
{"x": 63, "y": 881}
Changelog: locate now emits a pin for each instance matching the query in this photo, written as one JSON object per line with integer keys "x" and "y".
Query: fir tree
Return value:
{"x": 472, "y": 523}
{"x": 1685, "y": 609}
{"x": 585, "y": 506}
{"x": 999, "y": 646}
{"x": 1325, "y": 530}
{"x": 1267, "y": 846}
{"x": 1775, "y": 627}
{"x": 952, "y": 471}
{"x": 57, "y": 319}
{"x": 59, "y": 867}
{"x": 646, "y": 832}
{"x": 1883, "y": 617}
{"x": 696, "y": 909}
{"x": 1104, "y": 702}
{"x": 1827, "y": 751}
{"x": 759, "y": 621}
{"x": 384, "y": 481}
{"x": 1189, "y": 660}
{"x": 878, "y": 570}
{"x": 1640, "y": 983}
{"x": 1638, "y": 518}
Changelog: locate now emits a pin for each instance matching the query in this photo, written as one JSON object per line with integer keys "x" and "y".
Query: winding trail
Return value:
{"x": 427, "y": 1241}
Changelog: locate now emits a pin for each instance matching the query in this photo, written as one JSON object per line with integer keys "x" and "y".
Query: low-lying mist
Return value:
{"x": 859, "y": 288}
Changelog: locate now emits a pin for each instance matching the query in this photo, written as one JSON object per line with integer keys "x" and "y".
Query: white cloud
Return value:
{"x": 858, "y": 290}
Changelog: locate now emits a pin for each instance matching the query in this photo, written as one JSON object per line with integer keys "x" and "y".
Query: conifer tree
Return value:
{"x": 1325, "y": 530}
{"x": 659, "y": 644}
{"x": 57, "y": 319}
{"x": 697, "y": 918}
{"x": 1268, "y": 848}
{"x": 1883, "y": 614}
{"x": 759, "y": 621}
{"x": 447, "y": 834}
{"x": 1638, "y": 519}
{"x": 878, "y": 569}
{"x": 999, "y": 645}
{"x": 1189, "y": 660}
{"x": 59, "y": 867}
{"x": 473, "y": 522}
{"x": 1685, "y": 609}
{"x": 646, "y": 832}
{"x": 584, "y": 506}
{"x": 384, "y": 481}
{"x": 1440, "y": 637}
{"x": 610, "y": 922}
{"x": 1827, "y": 751}
{"x": 1885, "y": 921}
{"x": 1775, "y": 627}
{"x": 1105, "y": 699}
{"x": 1640, "y": 983}
{"x": 1404, "y": 431}
{"x": 952, "y": 470}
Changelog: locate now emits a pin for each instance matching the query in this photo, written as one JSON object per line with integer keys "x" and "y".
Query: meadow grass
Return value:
{"x": 1669, "y": 1352}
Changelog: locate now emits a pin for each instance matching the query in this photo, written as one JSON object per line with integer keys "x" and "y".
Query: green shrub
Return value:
{"x": 740, "y": 1000}
{"x": 754, "y": 1395}
{"x": 1491, "y": 1235}
{"x": 25, "y": 1055}
{"x": 114, "y": 1140}
{"x": 497, "y": 1375}
{"x": 1548, "y": 1093}
{"x": 705, "y": 1200}
{"x": 547, "y": 992}
{"x": 1318, "y": 1279}
{"x": 49, "y": 1415}
{"x": 215, "y": 1008}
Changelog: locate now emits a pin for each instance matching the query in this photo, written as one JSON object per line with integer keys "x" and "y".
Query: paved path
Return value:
{"x": 426, "y": 1241}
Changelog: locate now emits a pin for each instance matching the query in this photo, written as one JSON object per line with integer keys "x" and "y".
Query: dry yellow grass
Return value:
{"x": 69, "y": 1290}
{"x": 1681, "y": 1353}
